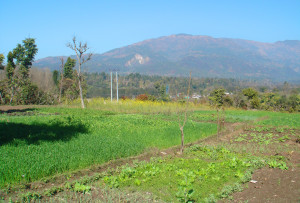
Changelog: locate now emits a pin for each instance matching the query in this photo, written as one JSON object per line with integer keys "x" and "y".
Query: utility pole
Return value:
{"x": 117, "y": 86}
{"x": 111, "y": 82}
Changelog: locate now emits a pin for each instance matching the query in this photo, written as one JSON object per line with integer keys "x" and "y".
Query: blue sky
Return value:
{"x": 110, "y": 24}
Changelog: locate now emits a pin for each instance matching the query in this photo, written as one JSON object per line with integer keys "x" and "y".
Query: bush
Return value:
{"x": 124, "y": 98}
{"x": 228, "y": 101}
{"x": 142, "y": 97}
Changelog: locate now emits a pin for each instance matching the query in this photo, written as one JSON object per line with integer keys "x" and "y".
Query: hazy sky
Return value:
{"x": 110, "y": 24}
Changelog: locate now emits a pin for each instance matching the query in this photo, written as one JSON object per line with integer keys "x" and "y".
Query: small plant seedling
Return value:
{"x": 81, "y": 188}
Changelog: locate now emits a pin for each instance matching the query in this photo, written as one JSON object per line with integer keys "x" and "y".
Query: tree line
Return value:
{"x": 250, "y": 98}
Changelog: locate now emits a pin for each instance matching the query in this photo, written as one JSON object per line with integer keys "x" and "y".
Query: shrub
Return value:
{"x": 124, "y": 98}
{"x": 142, "y": 97}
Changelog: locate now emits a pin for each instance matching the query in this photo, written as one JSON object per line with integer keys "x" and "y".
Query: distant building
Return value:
{"x": 196, "y": 96}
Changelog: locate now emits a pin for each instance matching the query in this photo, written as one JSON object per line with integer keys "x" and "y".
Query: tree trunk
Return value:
{"x": 80, "y": 91}
{"x": 12, "y": 95}
{"x": 182, "y": 140}
{"x": 218, "y": 122}
{"x": 1, "y": 98}
{"x": 223, "y": 118}
{"x": 61, "y": 78}
{"x": 60, "y": 91}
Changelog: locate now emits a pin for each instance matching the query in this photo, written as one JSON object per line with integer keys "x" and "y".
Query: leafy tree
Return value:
{"x": 10, "y": 67}
{"x": 282, "y": 102}
{"x": 55, "y": 77}
{"x": 294, "y": 103}
{"x": 217, "y": 97}
{"x": 161, "y": 90}
{"x": 239, "y": 100}
{"x": 18, "y": 84}
{"x": 252, "y": 96}
{"x": 1, "y": 61}
{"x": 10, "y": 70}
{"x": 255, "y": 103}
{"x": 68, "y": 68}
{"x": 24, "y": 55}
{"x": 250, "y": 93}
{"x": 228, "y": 101}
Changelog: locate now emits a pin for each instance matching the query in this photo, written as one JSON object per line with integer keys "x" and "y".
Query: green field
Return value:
{"x": 50, "y": 141}
{"x": 262, "y": 117}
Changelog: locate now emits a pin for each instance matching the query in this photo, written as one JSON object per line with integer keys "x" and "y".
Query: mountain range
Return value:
{"x": 204, "y": 56}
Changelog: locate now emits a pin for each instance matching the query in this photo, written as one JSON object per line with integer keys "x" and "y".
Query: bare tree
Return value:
{"x": 182, "y": 123}
{"x": 80, "y": 50}
{"x": 61, "y": 78}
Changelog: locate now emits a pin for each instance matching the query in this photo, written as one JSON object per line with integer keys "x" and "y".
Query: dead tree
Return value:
{"x": 80, "y": 50}
{"x": 182, "y": 123}
{"x": 61, "y": 78}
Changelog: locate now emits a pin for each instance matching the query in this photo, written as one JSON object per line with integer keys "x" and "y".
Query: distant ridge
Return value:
{"x": 205, "y": 56}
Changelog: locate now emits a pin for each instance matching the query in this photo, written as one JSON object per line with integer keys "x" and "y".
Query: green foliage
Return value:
{"x": 31, "y": 196}
{"x": 10, "y": 67}
{"x": 55, "y": 77}
{"x": 29, "y": 94}
{"x": 203, "y": 174}
{"x": 281, "y": 119}
{"x": 52, "y": 191}
{"x": 229, "y": 189}
{"x": 250, "y": 93}
{"x": 18, "y": 88}
{"x": 24, "y": 55}
{"x": 228, "y": 101}
{"x": 260, "y": 138}
{"x": 81, "y": 188}
{"x": 252, "y": 96}
{"x": 277, "y": 164}
{"x": 217, "y": 97}
{"x": 294, "y": 103}
{"x": 1, "y": 61}
{"x": 255, "y": 103}
{"x": 68, "y": 68}
{"x": 161, "y": 91}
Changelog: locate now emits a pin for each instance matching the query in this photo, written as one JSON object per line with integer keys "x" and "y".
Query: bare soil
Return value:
{"x": 273, "y": 185}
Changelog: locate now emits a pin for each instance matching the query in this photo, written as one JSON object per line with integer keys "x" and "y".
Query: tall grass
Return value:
{"x": 136, "y": 106}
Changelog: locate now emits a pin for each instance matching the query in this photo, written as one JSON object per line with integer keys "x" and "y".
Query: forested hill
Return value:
{"x": 205, "y": 56}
